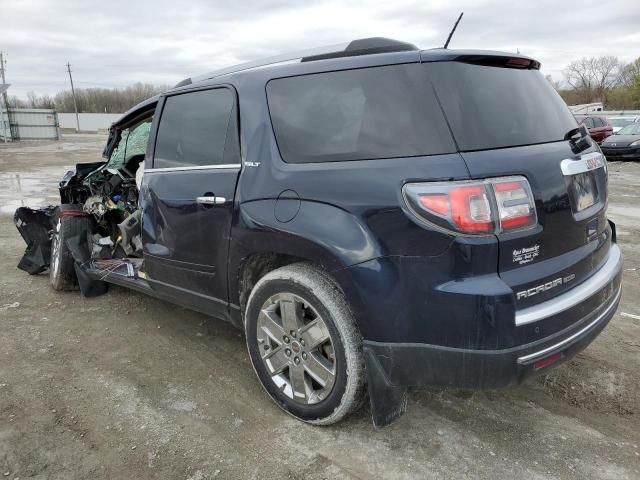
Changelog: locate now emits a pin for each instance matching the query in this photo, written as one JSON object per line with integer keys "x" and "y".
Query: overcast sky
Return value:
{"x": 116, "y": 43}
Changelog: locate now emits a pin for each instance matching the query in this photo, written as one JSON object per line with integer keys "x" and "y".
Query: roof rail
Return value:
{"x": 364, "y": 46}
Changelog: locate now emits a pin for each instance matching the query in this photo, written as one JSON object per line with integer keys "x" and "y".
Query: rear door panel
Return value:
{"x": 185, "y": 242}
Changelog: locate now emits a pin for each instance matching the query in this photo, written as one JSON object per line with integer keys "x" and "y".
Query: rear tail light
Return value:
{"x": 474, "y": 207}
{"x": 470, "y": 208}
{"x": 515, "y": 203}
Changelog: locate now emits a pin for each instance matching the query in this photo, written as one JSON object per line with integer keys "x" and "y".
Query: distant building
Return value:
{"x": 586, "y": 108}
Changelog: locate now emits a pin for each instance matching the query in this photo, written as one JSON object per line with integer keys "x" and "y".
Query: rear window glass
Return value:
{"x": 493, "y": 107}
{"x": 370, "y": 113}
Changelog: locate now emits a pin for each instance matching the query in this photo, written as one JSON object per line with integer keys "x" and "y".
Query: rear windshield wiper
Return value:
{"x": 578, "y": 143}
{"x": 571, "y": 133}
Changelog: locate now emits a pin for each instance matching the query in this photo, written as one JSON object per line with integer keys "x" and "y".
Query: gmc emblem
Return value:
{"x": 594, "y": 162}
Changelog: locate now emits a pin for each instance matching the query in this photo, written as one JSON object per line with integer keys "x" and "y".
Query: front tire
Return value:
{"x": 61, "y": 266}
{"x": 304, "y": 344}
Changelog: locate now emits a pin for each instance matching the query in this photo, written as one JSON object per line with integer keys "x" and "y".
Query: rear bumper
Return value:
{"x": 405, "y": 364}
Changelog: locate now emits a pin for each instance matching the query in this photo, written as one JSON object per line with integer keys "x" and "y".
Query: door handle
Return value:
{"x": 211, "y": 200}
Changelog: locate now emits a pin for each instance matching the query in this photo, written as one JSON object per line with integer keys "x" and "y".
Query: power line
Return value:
{"x": 73, "y": 93}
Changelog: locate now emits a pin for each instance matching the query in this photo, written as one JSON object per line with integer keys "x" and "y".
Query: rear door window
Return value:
{"x": 496, "y": 107}
{"x": 369, "y": 113}
{"x": 195, "y": 128}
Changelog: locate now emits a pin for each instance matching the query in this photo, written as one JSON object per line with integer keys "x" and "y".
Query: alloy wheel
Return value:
{"x": 296, "y": 348}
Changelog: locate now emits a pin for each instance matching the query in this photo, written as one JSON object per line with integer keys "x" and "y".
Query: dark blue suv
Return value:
{"x": 373, "y": 217}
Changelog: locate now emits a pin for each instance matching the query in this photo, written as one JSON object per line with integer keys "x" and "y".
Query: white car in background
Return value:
{"x": 622, "y": 121}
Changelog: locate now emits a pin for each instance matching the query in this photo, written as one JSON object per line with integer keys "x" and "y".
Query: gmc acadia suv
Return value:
{"x": 373, "y": 217}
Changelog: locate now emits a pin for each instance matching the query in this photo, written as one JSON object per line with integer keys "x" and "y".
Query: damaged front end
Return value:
{"x": 105, "y": 195}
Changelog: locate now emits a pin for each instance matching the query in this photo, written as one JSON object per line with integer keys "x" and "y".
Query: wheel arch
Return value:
{"x": 324, "y": 235}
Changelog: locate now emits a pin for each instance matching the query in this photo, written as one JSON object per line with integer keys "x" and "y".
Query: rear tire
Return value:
{"x": 61, "y": 266}
{"x": 304, "y": 345}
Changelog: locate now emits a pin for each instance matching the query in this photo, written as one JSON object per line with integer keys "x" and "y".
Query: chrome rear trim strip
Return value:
{"x": 576, "y": 295}
{"x": 544, "y": 352}
{"x": 587, "y": 162}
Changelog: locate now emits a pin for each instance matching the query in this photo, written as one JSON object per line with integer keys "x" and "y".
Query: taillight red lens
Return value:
{"x": 474, "y": 207}
{"x": 470, "y": 208}
{"x": 437, "y": 203}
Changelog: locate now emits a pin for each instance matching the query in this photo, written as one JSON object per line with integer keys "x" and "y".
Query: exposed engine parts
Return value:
{"x": 97, "y": 226}
{"x": 111, "y": 197}
{"x": 95, "y": 206}
{"x": 130, "y": 228}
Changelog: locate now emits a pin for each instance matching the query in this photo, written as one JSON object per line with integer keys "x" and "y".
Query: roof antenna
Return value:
{"x": 453, "y": 30}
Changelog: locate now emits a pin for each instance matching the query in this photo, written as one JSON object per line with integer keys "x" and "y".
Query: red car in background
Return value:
{"x": 599, "y": 127}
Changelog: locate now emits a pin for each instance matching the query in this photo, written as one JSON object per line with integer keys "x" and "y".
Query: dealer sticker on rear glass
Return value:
{"x": 526, "y": 255}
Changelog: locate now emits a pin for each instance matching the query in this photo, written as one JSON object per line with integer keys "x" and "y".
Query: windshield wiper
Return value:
{"x": 571, "y": 133}
{"x": 581, "y": 143}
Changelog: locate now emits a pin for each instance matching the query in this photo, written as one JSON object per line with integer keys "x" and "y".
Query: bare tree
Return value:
{"x": 606, "y": 71}
{"x": 593, "y": 77}
{"x": 104, "y": 100}
{"x": 15, "y": 102}
{"x": 578, "y": 76}
{"x": 34, "y": 101}
{"x": 629, "y": 73}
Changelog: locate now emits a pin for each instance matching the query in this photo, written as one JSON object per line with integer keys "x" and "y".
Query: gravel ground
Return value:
{"x": 126, "y": 386}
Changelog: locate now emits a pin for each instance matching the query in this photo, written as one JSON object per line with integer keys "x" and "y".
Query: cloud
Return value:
{"x": 118, "y": 43}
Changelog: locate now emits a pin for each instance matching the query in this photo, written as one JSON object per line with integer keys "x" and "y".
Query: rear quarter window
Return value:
{"x": 369, "y": 113}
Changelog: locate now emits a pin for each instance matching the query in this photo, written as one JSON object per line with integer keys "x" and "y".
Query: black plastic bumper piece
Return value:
{"x": 35, "y": 226}
{"x": 405, "y": 364}
{"x": 392, "y": 367}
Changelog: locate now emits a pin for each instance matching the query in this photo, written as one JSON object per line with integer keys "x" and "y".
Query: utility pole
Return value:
{"x": 73, "y": 93}
{"x": 6, "y": 100}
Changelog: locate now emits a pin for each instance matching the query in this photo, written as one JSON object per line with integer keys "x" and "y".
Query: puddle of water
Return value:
{"x": 30, "y": 189}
